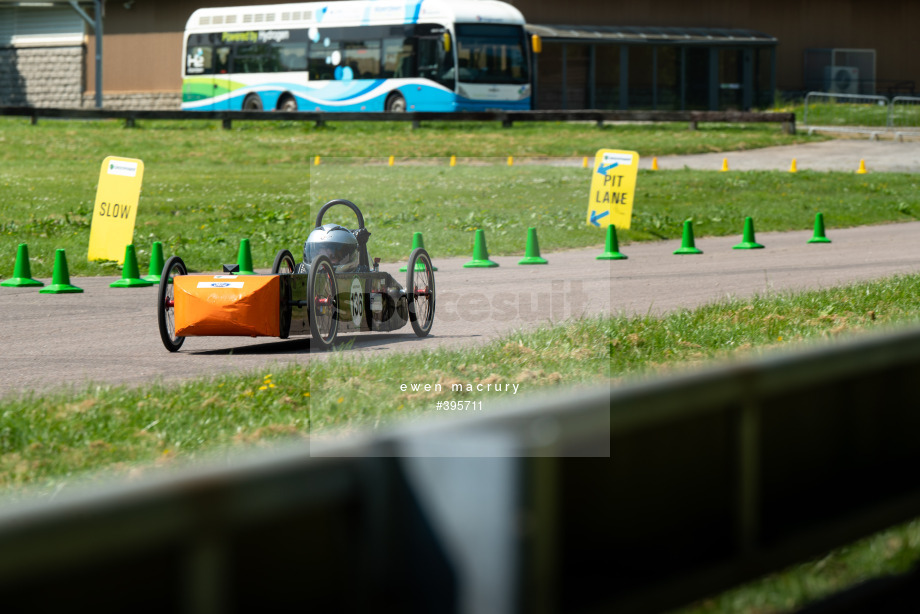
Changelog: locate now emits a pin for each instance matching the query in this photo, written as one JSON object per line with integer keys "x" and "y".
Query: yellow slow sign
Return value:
{"x": 116, "y": 208}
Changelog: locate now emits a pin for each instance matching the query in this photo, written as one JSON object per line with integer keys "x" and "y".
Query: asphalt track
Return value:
{"x": 109, "y": 336}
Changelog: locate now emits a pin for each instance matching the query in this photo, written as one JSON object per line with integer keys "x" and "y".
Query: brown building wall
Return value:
{"x": 143, "y": 45}
{"x": 888, "y": 26}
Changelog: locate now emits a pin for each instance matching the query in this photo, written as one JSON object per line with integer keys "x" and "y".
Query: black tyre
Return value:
{"x": 420, "y": 291}
{"x": 288, "y": 104}
{"x": 322, "y": 303}
{"x": 396, "y": 103}
{"x": 284, "y": 263}
{"x": 252, "y": 103}
{"x": 166, "y": 316}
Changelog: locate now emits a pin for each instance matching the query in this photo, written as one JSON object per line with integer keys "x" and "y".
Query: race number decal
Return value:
{"x": 357, "y": 302}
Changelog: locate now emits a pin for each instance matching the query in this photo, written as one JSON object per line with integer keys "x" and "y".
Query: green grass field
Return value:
{"x": 205, "y": 188}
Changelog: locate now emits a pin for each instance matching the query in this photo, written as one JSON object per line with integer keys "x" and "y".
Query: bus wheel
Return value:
{"x": 396, "y": 103}
{"x": 288, "y": 104}
{"x": 252, "y": 103}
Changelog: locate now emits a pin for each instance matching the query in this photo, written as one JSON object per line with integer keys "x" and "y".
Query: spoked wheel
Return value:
{"x": 166, "y": 315}
{"x": 284, "y": 265}
{"x": 420, "y": 291}
{"x": 322, "y": 302}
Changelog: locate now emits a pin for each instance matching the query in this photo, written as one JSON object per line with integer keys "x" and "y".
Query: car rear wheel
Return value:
{"x": 322, "y": 302}
{"x": 284, "y": 265}
{"x": 166, "y": 313}
{"x": 420, "y": 291}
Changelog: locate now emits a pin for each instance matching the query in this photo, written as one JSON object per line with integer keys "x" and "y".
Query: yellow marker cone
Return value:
{"x": 584, "y": 162}
{"x": 724, "y": 164}
{"x": 510, "y": 160}
{"x": 862, "y": 167}
{"x": 392, "y": 160}
{"x": 453, "y": 160}
{"x": 793, "y": 168}
{"x": 654, "y": 164}
{"x": 316, "y": 161}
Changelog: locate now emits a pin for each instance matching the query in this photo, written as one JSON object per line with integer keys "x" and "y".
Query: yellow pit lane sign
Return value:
{"x": 115, "y": 209}
{"x": 613, "y": 185}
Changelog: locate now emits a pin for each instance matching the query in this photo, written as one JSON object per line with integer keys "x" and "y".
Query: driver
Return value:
{"x": 336, "y": 243}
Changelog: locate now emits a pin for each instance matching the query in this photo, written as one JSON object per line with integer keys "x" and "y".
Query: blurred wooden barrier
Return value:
{"x": 635, "y": 499}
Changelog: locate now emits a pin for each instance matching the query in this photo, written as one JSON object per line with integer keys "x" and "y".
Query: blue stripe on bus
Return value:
{"x": 413, "y": 8}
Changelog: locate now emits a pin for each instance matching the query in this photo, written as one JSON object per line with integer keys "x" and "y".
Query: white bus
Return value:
{"x": 377, "y": 55}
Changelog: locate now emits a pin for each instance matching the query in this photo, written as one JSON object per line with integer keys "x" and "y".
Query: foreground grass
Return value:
{"x": 205, "y": 188}
{"x": 889, "y": 552}
{"x": 47, "y": 439}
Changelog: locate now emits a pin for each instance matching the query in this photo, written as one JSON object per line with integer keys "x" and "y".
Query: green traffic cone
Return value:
{"x": 612, "y": 247}
{"x": 480, "y": 253}
{"x": 60, "y": 278}
{"x": 22, "y": 271}
{"x": 819, "y": 230}
{"x": 747, "y": 239}
{"x": 244, "y": 260}
{"x": 130, "y": 276}
{"x": 156, "y": 263}
{"x": 417, "y": 241}
{"x": 532, "y": 250}
{"x": 687, "y": 245}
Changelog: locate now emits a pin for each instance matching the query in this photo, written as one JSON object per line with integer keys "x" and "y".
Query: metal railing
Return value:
{"x": 829, "y": 109}
{"x": 904, "y": 112}
{"x": 506, "y": 118}
{"x": 707, "y": 480}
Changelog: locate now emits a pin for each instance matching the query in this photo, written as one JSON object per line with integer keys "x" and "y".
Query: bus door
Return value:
{"x": 221, "y": 83}
{"x": 436, "y": 56}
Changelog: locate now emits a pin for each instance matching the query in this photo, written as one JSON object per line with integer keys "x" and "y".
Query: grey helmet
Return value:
{"x": 335, "y": 242}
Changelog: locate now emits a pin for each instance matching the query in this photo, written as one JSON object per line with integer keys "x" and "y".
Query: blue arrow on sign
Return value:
{"x": 595, "y": 217}
{"x": 603, "y": 170}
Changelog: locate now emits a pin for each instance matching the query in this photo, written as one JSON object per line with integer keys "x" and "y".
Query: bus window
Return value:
{"x": 363, "y": 57}
{"x": 398, "y": 59}
{"x": 492, "y": 53}
{"x": 293, "y": 57}
{"x": 222, "y": 63}
{"x": 321, "y": 60}
{"x": 199, "y": 60}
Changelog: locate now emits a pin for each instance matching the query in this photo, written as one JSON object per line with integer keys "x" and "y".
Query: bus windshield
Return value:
{"x": 491, "y": 53}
